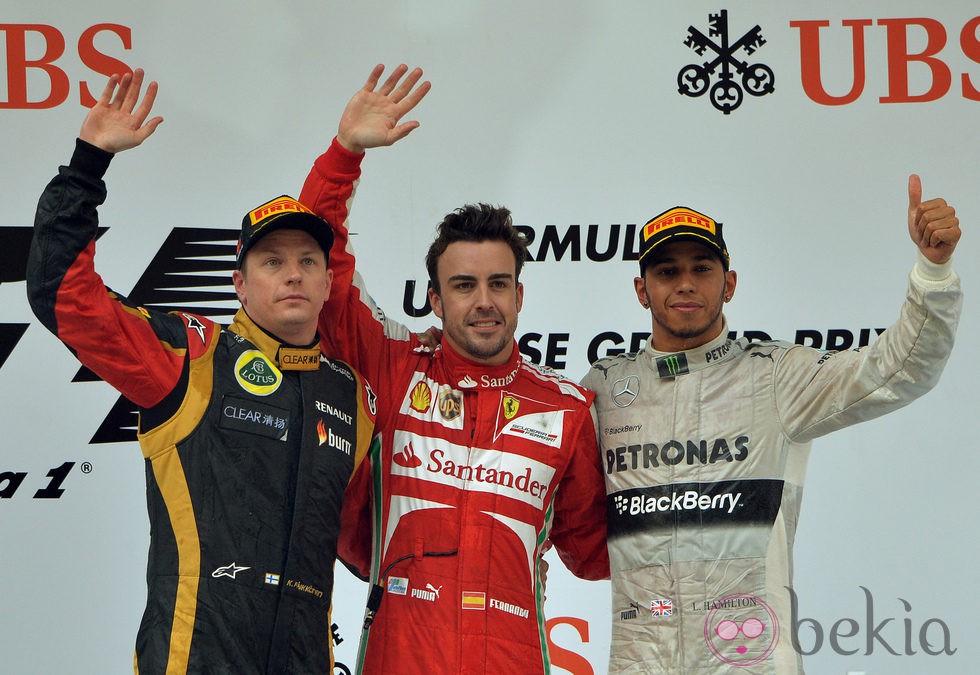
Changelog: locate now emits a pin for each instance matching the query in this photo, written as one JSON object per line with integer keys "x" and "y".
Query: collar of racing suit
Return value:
{"x": 471, "y": 375}
{"x": 286, "y": 357}
{"x": 673, "y": 364}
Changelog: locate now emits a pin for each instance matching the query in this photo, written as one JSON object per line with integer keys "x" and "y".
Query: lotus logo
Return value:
{"x": 256, "y": 374}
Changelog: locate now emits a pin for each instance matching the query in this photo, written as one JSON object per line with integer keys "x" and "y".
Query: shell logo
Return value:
{"x": 421, "y": 397}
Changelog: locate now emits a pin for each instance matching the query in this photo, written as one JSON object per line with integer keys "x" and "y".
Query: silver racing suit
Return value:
{"x": 705, "y": 454}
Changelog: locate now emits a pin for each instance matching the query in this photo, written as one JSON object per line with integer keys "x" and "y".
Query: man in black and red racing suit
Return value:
{"x": 483, "y": 457}
{"x": 250, "y": 436}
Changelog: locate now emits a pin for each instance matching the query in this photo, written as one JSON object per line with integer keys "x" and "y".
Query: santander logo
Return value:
{"x": 471, "y": 468}
{"x": 407, "y": 458}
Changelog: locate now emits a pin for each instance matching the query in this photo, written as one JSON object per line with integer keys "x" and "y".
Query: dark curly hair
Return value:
{"x": 476, "y": 222}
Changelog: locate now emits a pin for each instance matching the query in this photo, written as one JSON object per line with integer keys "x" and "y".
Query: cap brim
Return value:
{"x": 312, "y": 224}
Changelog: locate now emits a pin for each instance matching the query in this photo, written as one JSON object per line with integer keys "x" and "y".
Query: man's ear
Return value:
{"x": 731, "y": 279}
{"x": 641, "y": 292}
{"x": 238, "y": 279}
{"x": 435, "y": 302}
{"x": 329, "y": 284}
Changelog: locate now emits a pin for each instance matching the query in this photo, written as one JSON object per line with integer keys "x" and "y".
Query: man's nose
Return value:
{"x": 483, "y": 297}
{"x": 685, "y": 281}
{"x": 294, "y": 270}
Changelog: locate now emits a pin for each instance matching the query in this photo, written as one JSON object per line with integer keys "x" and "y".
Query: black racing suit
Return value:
{"x": 249, "y": 445}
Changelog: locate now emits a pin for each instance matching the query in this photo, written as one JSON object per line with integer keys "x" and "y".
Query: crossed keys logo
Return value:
{"x": 726, "y": 94}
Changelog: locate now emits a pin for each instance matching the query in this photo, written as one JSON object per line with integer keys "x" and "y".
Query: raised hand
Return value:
{"x": 371, "y": 118}
{"x": 933, "y": 225}
{"x": 116, "y": 123}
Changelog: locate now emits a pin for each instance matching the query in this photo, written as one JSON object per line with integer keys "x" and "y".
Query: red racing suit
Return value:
{"x": 477, "y": 467}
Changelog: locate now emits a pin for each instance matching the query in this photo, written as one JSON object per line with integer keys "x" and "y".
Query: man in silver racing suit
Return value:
{"x": 705, "y": 441}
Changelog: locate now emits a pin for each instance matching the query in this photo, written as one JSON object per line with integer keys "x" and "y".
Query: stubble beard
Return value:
{"x": 692, "y": 331}
{"x": 480, "y": 350}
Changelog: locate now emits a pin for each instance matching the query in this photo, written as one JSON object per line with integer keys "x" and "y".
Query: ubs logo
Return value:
{"x": 726, "y": 93}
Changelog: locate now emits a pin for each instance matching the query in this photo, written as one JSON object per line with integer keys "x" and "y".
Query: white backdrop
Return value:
{"x": 569, "y": 114}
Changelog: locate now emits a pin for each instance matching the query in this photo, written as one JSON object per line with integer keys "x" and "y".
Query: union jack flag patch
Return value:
{"x": 662, "y": 608}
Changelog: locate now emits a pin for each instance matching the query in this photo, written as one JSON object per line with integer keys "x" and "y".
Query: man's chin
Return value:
{"x": 486, "y": 349}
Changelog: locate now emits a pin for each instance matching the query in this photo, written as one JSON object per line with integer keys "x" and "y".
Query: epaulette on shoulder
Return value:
{"x": 552, "y": 380}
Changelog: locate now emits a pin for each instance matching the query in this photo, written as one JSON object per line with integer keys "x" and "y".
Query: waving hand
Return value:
{"x": 118, "y": 121}
{"x": 371, "y": 118}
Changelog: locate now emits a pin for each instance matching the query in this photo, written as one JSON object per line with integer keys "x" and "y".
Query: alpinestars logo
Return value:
{"x": 231, "y": 571}
{"x": 726, "y": 93}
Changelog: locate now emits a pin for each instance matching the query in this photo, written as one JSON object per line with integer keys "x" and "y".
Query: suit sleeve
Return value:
{"x": 351, "y": 325}
{"x": 579, "y": 526}
{"x": 356, "y": 523}
{"x": 819, "y": 392}
{"x": 138, "y": 352}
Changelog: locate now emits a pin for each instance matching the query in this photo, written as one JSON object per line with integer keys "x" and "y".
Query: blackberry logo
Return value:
{"x": 726, "y": 93}
{"x": 621, "y": 503}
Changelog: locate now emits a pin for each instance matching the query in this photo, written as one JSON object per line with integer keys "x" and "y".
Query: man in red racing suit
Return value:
{"x": 482, "y": 458}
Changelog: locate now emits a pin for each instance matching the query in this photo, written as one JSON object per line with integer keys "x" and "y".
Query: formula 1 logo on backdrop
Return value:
{"x": 190, "y": 273}
{"x": 14, "y": 242}
{"x": 727, "y": 92}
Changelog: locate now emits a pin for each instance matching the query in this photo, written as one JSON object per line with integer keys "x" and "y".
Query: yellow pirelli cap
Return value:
{"x": 281, "y": 213}
{"x": 682, "y": 222}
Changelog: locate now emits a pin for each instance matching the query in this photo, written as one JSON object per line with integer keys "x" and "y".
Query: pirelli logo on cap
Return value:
{"x": 676, "y": 217}
{"x": 276, "y": 206}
